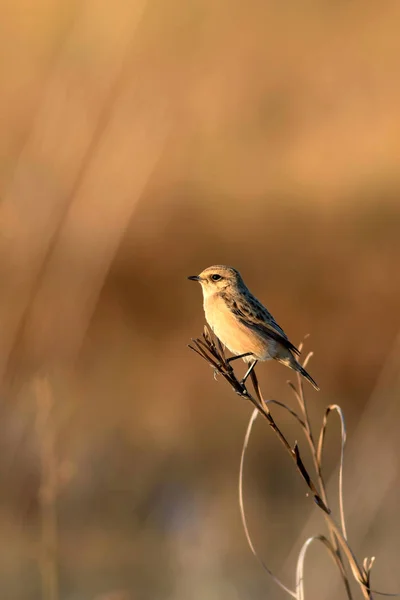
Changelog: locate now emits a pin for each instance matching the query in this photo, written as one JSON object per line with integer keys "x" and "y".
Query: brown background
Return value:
{"x": 139, "y": 143}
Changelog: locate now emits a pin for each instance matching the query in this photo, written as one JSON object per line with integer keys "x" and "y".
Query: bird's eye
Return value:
{"x": 216, "y": 277}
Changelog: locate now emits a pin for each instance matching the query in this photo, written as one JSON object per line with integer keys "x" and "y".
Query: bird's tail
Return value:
{"x": 304, "y": 373}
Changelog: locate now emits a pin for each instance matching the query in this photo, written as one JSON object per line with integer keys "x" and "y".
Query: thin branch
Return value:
{"x": 301, "y": 560}
{"x": 242, "y": 511}
{"x": 335, "y": 407}
{"x": 212, "y": 351}
{"x": 299, "y": 394}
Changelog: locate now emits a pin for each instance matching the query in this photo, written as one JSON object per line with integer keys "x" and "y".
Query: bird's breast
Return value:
{"x": 233, "y": 334}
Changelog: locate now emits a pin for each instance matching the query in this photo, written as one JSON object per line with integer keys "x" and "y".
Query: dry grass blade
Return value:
{"x": 308, "y": 480}
{"x": 206, "y": 347}
{"x": 367, "y": 566}
{"x": 242, "y": 511}
{"x": 201, "y": 351}
{"x": 329, "y": 410}
{"x": 294, "y": 390}
{"x": 213, "y": 353}
{"x": 289, "y": 410}
{"x": 294, "y": 452}
{"x": 301, "y": 560}
{"x": 211, "y": 350}
{"x": 300, "y": 397}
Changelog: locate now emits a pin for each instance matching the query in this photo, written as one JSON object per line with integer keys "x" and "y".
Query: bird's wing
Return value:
{"x": 253, "y": 314}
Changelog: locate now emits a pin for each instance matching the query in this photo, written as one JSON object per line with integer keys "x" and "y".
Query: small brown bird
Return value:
{"x": 242, "y": 323}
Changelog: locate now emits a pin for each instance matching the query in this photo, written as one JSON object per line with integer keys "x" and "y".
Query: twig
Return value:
{"x": 299, "y": 394}
{"x": 211, "y": 350}
{"x": 243, "y": 513}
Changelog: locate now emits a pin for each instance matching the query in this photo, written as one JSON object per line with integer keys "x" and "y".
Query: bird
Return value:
{"x": 242, "y": 323}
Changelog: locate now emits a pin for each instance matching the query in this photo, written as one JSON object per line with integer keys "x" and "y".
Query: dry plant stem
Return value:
{"x": 328, "y": 411}
{"x": 285, "y": 588}
{"x": 334, "y": 545}
{"x": 314, "y": 453}
{"x": 293, "y": 452}
{"x": 47, "y": 491}
{"x": 212, "y": 351}
{"x": 299, "y": 593}
{"x": 338, "y": 537}
{"x": 301, "y": 560}
{"x": 317, "y": 460}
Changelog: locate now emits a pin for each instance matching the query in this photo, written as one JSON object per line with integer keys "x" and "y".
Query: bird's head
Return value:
{"x": 217, "y": 279}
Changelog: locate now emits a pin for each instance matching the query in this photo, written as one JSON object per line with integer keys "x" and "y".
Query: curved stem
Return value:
{"x": 213, "y": 352}
{"x": 335, "y": 407}
{"x": 253, "y": 417}
{"x": 301, "y": 561}
{"x": 318, "y": 466}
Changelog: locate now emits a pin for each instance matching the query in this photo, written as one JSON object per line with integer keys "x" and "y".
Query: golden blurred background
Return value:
{"x": 141, "y": 142}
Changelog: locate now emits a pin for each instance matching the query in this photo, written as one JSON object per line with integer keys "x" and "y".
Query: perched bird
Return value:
{"x": 242, "y": 323}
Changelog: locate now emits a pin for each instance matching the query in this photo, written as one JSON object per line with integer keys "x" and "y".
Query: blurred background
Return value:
{"x": 141, "y": 142}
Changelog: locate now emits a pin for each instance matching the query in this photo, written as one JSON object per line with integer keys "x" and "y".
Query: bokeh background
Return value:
{"x": 140, "y": 142}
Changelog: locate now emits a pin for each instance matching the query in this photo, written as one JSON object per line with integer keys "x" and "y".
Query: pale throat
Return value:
{"x": 216, "y": 311}
{"x": 208, "y": 291}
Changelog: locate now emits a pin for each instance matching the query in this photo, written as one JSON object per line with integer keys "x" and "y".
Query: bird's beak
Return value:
{"x": 194, "y": 278}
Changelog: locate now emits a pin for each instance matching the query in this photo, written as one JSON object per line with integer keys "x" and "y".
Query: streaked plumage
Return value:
{"x": 241, "y": 322}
